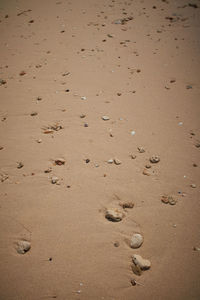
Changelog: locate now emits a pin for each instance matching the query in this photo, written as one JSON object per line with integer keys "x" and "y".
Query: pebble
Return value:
{"x": 34, "y": 114}
{"x": 144, "y": 264}
{"x": 82, "y": 116}
{"x": 148, "y": 166}
{"x": 133, "y": 132}
{"x": 23, "y": 247}
{"x": 20, "y": 165}
{"x": 105, "y": 118}
{"x": 197, "y": 145}
{"x": 193, "y": 185}
{"x": 2, "y": 81}
{"x": 133, "y": 282}
{"x": 126, "y": 204}
{"x": 117, "y": 161}
{"x": 141, "y": 149}
{"x": 154, "y": 159}
{"x": 168, "y": 200}
{"x": 110, "y": 161}
{"x": 145, "y": 172}
{"x": 39, "y": 141}
{"x": 196, "y": 249}
{"x": 60, "y": 161}
{"x": 83, "y": 98}
{"x": 133, "y": 156}
{"x": 114, "y": 215}
{"x": 54, "y": 180}
{"x": 86, "y": 125}
{"x": 87, "y": 160}
{"x": 116, "y": 244}
{"x": 136, "y": 240}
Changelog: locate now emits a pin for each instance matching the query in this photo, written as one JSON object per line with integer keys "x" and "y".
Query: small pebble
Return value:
{"x": 148, "y": 166}
{"x": 196, "y": 249}
{"x": 127, "y": 204}
{"x": 114, "y": 215}
{"x": 83, "y": 98}
{"x": 23, "y": 247}
{"x": 117, "y": 161}
{"x": 34, "y": 114}
{"x": 141, "y": 150}
{"x": 154, "y": 159}
{"x": 105, "y": 118}
{"x": 136, "y": 240}
{"x": 82, "y": 116}
{"x": 60, "y": 161}
{"x": 116, "y": 244}
{"x": 54, "y": 180}
{"x": 132, "y": 132}
{"x": 87, "y": 160}
{"x": 133, "y": 156}
{"x": 110, "y": 161}
{"x": 193, "y": 185}
{"x": 144, "y": 264}
{"x": 133, "y": 282}
{"x": 39, "y": 141}
{"x": 86, "y": 125}
{"x": 20, "y": 165}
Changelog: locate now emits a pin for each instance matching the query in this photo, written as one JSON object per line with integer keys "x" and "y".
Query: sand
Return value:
{"x": 63, "y": 66}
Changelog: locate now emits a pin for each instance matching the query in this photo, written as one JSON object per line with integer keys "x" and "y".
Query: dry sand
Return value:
{"x": 144, "y": 75}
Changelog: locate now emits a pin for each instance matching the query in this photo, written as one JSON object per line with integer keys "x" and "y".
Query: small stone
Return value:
{"x": 171, "y": 200}
{"x": 133, "y": 156}
{"x": 145, "y": 172}
{"x": 117, "y": 161}
{"x": 86, "y": 125}
{"x": 2, "y": 82}
{"x": 193, "y": 185}
{"x": 197, "y": 145}
{"x": 49, "y": 170}
{"x": 126, "y": 204}
{"x": 54, "y": 180}
{"x": 22, "y": 73}
{"x": 196, "y": 248}
{"x": 148, "y": 166}
{"x": 110, "y": 161}
{"x": 133, "y": 282}
{"x": 154, "y": 159}
{"x": 136, "y": 240}
{"x": 141, "y": 150}
{"x": 136, "y": 269}
{"x": 83, "y": 98}
{"x": 114, "y": 215}
{"x": 116, "y": 244}
{"x": 34, "y": 114}
{"x": 60, "y": 161}
{"x": 195, "y": 165}
{"x": 20, "y": 165}
{"x": 1, "y": 148}
{"x": 82, "y": 116}
{"x": 105, "y": 118}
{"x": 87, "y": 160}
{"x": 132, "y": 132}
{"x": 23, "y": 247}
{"x": 39, "y": 141}
{"x": 144, "y": 264}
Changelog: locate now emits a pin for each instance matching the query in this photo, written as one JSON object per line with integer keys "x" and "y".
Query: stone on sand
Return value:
{"x": 154, "y": 159}
{"x": 136, "y": 240}
{"x": 144, "y": 264}
{"x": 23, "y": 247}
{"x": 114, "y": 215}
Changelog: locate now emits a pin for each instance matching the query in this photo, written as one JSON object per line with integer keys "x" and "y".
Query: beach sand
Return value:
{"x": 65, "y": 65}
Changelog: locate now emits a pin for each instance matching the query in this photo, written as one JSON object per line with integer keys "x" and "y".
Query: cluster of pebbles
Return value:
{"x": 139, "y": 264}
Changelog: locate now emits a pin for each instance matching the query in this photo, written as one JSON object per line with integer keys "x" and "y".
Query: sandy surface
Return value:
{"x": 144, "y": 75}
